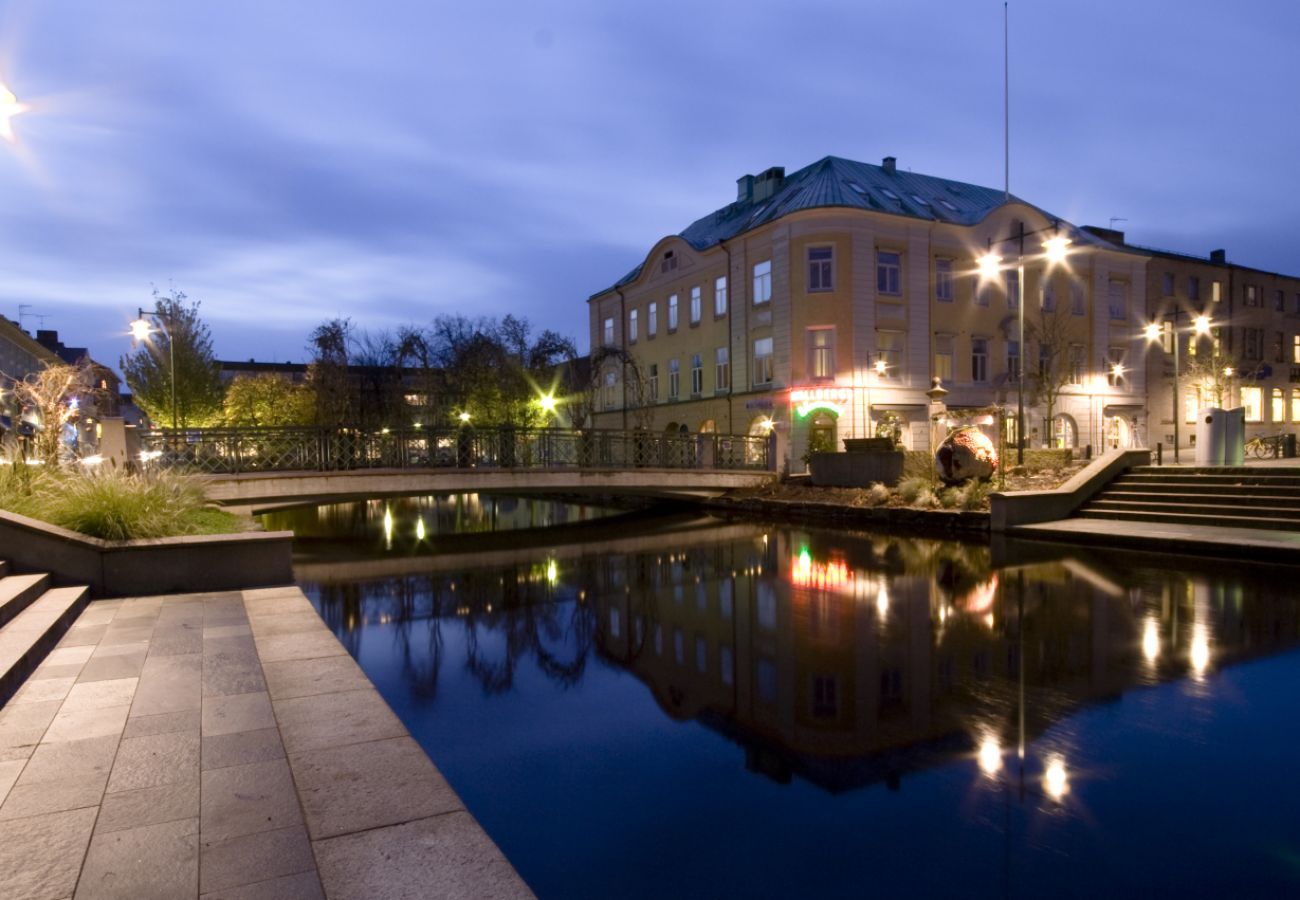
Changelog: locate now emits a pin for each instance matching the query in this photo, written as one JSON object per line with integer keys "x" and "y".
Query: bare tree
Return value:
{"x": 52, "y": 399}
{"x": 1055, "y": 330}
{"x": 330, "y": 346}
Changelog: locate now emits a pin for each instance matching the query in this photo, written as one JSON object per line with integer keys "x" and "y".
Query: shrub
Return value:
{"x": 976, "y": 494}
{"x": 951, "y": 498}
{"x": 115, "y": 506}
{"x": 910, "y": 488}
{"x": 926, "y": 499}
{"x": 878, "y": 494}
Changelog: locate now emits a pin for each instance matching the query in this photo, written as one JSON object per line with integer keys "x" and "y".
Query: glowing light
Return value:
{"x": 990, "y": 264}
{"x": 980, "y": 598}
{"x": 882, "y": 600}
{"x": 1057, "y": 247}
{"x": 547, "y": 403}
{"x": 92, "y": 460}
{"x": 990, "y": 756}
{"x": 803, "y": 409}
{"x": 881, "y": 367}
{"x": 766, "y": 424}
{"x": 141, "y": 329}
{"x": 1150, "y": 640}
{"x": 149, "y": 455}
{"x": 388, "y": 528}
{"x": 464, "y": 417}
{"x": 1055, "y": 780}
{"x": 9, "y": 107}
{"x": 552, "y": 572}
{"x": 809, "y": 399}
{"x": 1227, "y": 371}
{"x": 1201, "y": 324}
{"x": 419, "y": 529}
{"x": 1117, "y": 370}
{"x": 1153, "y": 332}
{"x": 1200, "y": 651}
{"x": 805, "y": 572}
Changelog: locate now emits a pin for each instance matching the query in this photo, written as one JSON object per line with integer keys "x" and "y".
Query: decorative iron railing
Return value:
{"x": 234, "y": 451}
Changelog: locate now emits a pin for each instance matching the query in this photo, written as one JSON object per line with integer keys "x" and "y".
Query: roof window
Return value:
{"x": 890, "y": 194}
{"x": 947, "y": 204}
{"x": 921, "y": 200}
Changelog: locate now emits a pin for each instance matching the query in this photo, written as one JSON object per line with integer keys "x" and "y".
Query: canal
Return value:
{"x": 640, "y": 705}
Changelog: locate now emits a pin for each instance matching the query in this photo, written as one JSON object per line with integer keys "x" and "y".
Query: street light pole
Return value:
{"x": 140, "y": 328}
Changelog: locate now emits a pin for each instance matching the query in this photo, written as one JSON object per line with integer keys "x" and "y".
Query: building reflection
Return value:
{"x": 842, "y": 660}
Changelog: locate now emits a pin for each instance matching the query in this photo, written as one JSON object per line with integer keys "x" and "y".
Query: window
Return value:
{"x": 695, "y": 305}
{"x": 1044, "y": 361}
{"x": 720, "y": 296}
{"x": 1216, "y": 291}
{"x": 632, "y": 326}
{"x": 609, "y": 332}
{"x": 1193, "y": 288}
{"x": 979, "y": 360}
{"x": 1013, "y": 361}
{"x": 821, "y": 353}
{"x": 983, "y": 291}
{"x": 889, "y": 273}
{"x": 1077, "y": 307}
{"x": 1295, "y": 404}
{"x": 652, "y": 383}
{"x": 943, "y": 280}
{"x": 1115, "y": 368}
{"x": 762, "y": 282}
{"x": 1279, "y": 406}
{"x": 1167, "y": 284}
{"x": 1252, "y": 398}
{"x": 1117, "y": 299}
{"x": 943, "y": 357}
{"x": 722, "y": 369}
{"x": 672, "y": 312}
{"x": 1191, "y": 405}
{"x": 1279, "y": 346}
{"x": 674, "y": 379}
{"x": 1252, "y": 343}
{"x": 697, "y": 375}
{"x": 763, "y": 361}
{"x": 652, "y": 320}
{"x": 1296, "y": 308}
{"x": 1076, "y": 364}
{"x": 1295, "y": 349}
{"x": 889, "y": 350}
{"x": 1013, "y": 288}
{"x": 1049, "y": 296}
{"x": 821, "y": 269}
{"x": 611, "y": 383}
{"x": 1251, "y": 295}
{"x": 1279, "y": 300}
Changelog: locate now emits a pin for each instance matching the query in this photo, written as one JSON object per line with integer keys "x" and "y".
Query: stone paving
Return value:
{"x": 223, "y": 745}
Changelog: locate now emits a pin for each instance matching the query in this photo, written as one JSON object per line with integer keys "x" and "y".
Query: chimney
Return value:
{"x": 888, "y": 164}
{"x": 1106, "y": 234}
{"x": 744, "y": 188}
{"x": 768, "y": 182}
{"x": 1219, "y": 256}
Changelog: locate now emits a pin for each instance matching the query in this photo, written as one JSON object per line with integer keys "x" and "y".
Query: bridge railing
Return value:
{"x": 236, "y": 451}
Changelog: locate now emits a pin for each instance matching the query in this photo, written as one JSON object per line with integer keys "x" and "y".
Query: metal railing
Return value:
{"x": 235, "y": 451}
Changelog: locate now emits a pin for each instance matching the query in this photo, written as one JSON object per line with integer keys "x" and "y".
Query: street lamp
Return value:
{"x": 9, "y": 107}
{"x": 1154, "y": 332}
{"x": 141, "y": 328}
{"x": 1055, "y": 250}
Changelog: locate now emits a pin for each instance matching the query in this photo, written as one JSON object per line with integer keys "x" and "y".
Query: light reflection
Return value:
{"x": 552, "y": 572}
{"x": 1151, "y": 639}
{"x": 419, "y": 529}
{"x": 388, "y": 528}
{"x": 990, "y": 756}
{"x": 882, "y": 600}
{"x": 1055, "y": 781}
{"x": 1200, "y": 651}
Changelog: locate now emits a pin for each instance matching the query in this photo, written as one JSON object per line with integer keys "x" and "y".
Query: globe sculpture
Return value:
{"x": 964, "y": 454}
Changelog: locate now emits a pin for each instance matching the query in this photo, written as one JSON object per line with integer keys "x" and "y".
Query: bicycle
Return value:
{"x": 1264, "y": 446}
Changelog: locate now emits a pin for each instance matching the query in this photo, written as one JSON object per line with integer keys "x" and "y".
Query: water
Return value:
{"x": 674, "y": 707}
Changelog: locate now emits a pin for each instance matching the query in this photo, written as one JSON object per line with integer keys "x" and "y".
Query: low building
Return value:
{"x": 823, "y": 304}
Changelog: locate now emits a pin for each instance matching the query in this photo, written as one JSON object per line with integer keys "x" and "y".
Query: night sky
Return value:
{"x": 286, "y": 162}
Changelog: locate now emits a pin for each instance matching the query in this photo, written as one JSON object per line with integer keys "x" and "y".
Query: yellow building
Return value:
{"x": 824, "y": 303}
{"x": 1246, "y": 350}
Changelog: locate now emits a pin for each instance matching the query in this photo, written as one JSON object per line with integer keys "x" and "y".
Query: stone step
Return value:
{"x": 1290, "y": 471}
{"x": 1216, "y": 500}
{"x": 18, "y": 591}
{"x": 1192, "y": 489}
{"x": 1254, "y": 476}
{"x": 26, "y": 640}
{"x": 1215, "y": 519}
{"x": 1191, "y": 505}
{"x": 4, "y": 567}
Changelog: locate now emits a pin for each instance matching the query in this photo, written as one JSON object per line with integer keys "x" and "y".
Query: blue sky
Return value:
{"x": 286, "y": 162}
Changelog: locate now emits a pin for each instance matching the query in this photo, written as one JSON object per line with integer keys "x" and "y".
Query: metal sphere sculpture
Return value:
{"x": 964, "y": 454}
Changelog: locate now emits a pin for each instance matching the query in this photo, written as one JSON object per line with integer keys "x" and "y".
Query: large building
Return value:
{"x": 824, "y": 303}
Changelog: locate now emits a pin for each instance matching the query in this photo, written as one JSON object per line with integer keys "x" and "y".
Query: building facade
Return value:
{"x": 825, "y": 303}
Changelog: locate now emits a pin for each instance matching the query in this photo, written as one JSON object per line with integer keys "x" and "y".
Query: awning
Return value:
{"x": 1122, "y": 409}
{"x": 910, "y": 408}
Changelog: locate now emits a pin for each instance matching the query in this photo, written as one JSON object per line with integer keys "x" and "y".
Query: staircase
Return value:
{"x": 33, "y": 617}
{"x": 1262, "y": 498}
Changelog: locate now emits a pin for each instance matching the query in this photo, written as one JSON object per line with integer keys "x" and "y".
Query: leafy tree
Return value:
{"x": 149, "y": 372}
{"x": 268, "y": 399}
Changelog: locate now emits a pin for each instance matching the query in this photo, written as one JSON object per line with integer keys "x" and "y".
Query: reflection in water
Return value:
{"x": 831, "y": 660}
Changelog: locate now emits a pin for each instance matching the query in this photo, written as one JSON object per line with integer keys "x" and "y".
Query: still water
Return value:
{"x": 639, "y": 706}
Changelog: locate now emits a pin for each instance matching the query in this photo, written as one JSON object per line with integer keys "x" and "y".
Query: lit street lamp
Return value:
{"x": 141, "y": 328}
{"x": 1154, "y": 332}
{"x": 9, "y": 107}
{"x": 1056, "y": 247}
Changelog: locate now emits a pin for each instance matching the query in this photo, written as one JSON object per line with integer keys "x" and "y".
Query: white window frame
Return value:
{"x": 696, "y": 305}
{"x": 821, "y": 269}
{"x": 943, "y": 284}
{"x": 763, "y": 362}
{"x": 763, "y": 282}
{"x": 632, "y": 330}
{"x": 722, "y": 369}
{"x": 720, "y": 296}
{"x": 889, "y": 273}
{"x": 697, "y": 374}
{"x": 979, "y": 360}
{"x": 652, "y": 321}
{"x": 608, "y": 331}
{"x": 674, "y": 379}
{"x": 821, "y": 356}
{"x": 672, "y": 313}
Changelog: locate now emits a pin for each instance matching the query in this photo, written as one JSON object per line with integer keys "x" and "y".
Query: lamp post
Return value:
{"x": 141, "y": 329}
{"x": 1056, "y": 247}
{"x": 1200, "y": 326}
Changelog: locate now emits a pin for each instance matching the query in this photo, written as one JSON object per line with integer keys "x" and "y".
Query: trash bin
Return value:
{"x": 1220, "y": 436}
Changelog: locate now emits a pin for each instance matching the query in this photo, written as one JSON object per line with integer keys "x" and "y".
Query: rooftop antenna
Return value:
{"x": 1113, "y": 220}
{"x": 24, "y": 310}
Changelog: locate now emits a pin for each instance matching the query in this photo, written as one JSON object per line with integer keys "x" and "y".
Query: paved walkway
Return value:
{"x": 223, "y": 745}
